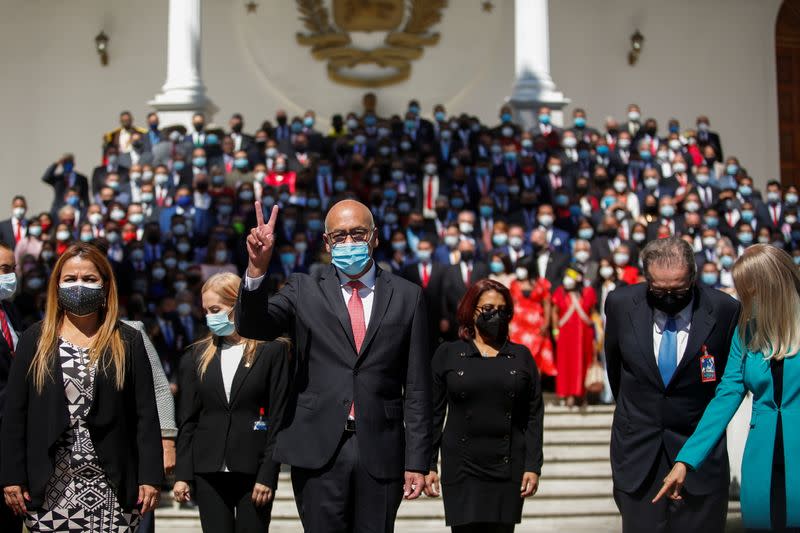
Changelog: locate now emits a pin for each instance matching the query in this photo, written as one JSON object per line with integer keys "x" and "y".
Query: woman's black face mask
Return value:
{"x": 493, "y": 323}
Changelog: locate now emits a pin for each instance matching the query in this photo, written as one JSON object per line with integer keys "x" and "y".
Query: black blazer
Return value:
{"x": 59, "y": 185}
{"x": 494, "y": 413}
{"x": 649, "y": 415}
{"x": 389, "y": 379}
{"x": 213, "y": 432}
{"x": 123, "y": 424}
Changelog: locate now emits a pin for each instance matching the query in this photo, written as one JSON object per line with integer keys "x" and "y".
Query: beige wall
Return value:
{"x": 711, "y": 56}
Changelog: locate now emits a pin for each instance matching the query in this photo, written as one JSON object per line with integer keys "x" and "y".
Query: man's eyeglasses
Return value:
{"x": 357, "y": 234}
{"x": 678, "y": 293}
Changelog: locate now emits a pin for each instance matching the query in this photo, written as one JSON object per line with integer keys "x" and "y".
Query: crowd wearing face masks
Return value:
{"x": 558, "y": 215}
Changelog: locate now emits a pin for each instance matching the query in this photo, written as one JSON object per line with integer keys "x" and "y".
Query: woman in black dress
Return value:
{"x": 492, "y": 444}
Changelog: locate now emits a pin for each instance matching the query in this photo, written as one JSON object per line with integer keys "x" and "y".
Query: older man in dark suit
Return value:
{"x": 358, "y": 433}
{"x": 667, "y": 344}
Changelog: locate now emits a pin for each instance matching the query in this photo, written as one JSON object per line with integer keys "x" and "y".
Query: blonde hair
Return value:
{"x": 768, "y": 284}
{"x": 226, "y": 286}
{"x": 106, "y": 350}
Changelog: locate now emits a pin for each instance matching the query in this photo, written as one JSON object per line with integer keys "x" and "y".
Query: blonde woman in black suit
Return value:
{"x": 232, "y": 398}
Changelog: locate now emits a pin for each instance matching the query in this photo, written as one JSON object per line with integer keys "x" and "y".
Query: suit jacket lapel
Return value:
{"x": 380, "y": 302}
{"x": 702, "y": 325}
{"x": 242, "y": 371}
{"x": 333, "y": 292}
{"x": 641, "y": 317}
{"x": 214, "y": 372}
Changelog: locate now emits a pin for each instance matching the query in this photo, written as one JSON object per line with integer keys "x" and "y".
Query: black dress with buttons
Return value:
{"x": 493, "y": 433}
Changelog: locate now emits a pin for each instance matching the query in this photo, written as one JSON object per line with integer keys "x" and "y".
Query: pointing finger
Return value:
{"x": 259, "y": 213}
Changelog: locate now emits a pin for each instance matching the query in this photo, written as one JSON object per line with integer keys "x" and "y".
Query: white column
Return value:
{"x": 533, "y": 86}
{"x": 183, "y": 93}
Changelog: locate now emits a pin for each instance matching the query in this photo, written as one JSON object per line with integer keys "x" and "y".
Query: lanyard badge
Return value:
{"x": 261, "y": 424}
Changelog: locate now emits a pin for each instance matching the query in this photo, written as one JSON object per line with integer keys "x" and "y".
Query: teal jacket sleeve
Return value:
{"x": 729, "y": 395}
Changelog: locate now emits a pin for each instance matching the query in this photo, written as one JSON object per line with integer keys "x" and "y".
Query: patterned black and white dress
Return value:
{"x": 78, "y": 496}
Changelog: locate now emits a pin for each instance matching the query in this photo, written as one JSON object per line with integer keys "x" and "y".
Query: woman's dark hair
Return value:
{"x": 467, "y": 305}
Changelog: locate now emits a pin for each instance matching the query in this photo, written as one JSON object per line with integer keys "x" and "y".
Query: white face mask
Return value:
{"x": 521, "y": 273}
{"x": 569, "y": 283}
{"x": 465, "y": 228}
{"x": 581, "y": 256}
{"x": 606, "y": 272}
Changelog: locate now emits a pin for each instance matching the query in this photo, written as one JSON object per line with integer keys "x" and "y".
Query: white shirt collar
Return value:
{"x": 682, "y": 319}
{"x": 368, "y": 279}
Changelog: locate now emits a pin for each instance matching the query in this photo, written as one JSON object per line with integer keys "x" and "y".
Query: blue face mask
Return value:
{"x": 726, "y": 261}
{"x": 287, "y": 258}
{"x": 308, "y": 122}
{"x": 297, "y": 127}
{"x": 199, "y": 161}
{"x": 497, "y": 267}
{"x": 351, "y": 258}
{"x": 580, "y": 122}
{"x": 178, "y": 165}
{"x": 732, "y": 169}
{"x": 8, "y": 285}
{"x": 410, "y": 125}
{"x": 709, "y": 278}
{"x": 645, "y": 155}
{"x": 486, "y": 211}
{"x": 511, "y": 156}
{"x": 602, "y": 150}
{"x": 544, "y": 118}
{"x": 505, "y": 117}
{"x": 240, "y": 163}
{"x": 712, "y": 222}
{"x": 747, "y": 215}
{"x": 586, "y": 233}
{"x": 184, "y": 201}
{"x": 219, "y": 324}
{"x": 314, "y": 225}
{"x": 68, "y": 166}
{"x": 439, "y": 116}
{"x": 457, "y": 203}
{"x": 674, "y": 128}
{"x": 796, "y": 259}
{"x": 745, "y": 190}
{"x": 745, "y": 238}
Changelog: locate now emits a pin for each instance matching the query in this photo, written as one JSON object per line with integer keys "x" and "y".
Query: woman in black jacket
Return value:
{"x": 81, "y": 439}
{"x": 232, "y": 398}
{"x": 492, "y": 445}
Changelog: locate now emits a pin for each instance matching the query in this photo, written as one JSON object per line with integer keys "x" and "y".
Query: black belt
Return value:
{"x": 350, "y": 425}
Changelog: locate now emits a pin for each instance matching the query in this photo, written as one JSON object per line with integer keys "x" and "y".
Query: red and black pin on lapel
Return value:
{"x": 708, "y": 366}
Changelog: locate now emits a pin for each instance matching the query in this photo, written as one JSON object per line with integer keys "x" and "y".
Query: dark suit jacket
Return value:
{"x": 213, "y": 431}
{"x": 453, "y": 289}
{"x": 123, "y": 424}
{"x": 7, "y": 233}
{"x": 649, "y": 415}
{"x": 100, "y": 173}
{"x": 388, "y": 379}
{"x": 59, "y": 185}
{"x": 6, "y": 353}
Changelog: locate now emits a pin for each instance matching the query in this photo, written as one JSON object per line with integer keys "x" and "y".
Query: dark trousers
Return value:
{"x": 225, "y": 503}
{"x": 343, "y": 497}
{"x": 148, "y": 523}
{"x": 484, "y": 528}
{"x": 706, "y": 514}
{"x": 9, "y": 522}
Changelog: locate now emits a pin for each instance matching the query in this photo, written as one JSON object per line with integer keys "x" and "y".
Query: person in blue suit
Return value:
{"x": 763, "y": 359}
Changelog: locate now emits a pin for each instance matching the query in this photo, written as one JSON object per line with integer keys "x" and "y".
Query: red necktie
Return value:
{"x": 355, "y": 307}
{"x": 774, "y": 215}
{"x": 469, "y": 276}
{"x": 426, "y": 277}
{"x": 6, "y": 330}
{"x": 18, "y": 233}
{"x": 429, "y": 202}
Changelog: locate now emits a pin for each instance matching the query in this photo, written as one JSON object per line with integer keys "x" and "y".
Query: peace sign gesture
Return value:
{"x": 260, "y": 242}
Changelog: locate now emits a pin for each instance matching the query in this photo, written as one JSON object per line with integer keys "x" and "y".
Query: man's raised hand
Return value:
{"x": 260, "y": 242}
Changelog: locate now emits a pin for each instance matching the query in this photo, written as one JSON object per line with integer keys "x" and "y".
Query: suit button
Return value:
{"x": 462, "y": 354}
{"x": 460, "y": 372}
{"x": 463, "y": 439}
{"x": 508, "y": 416}
{"x": 513, "y": 372}
{"x": 506, "y": 459}
{"x": 355, "y": 371}
{"x": 506, "y": 437}
{"x": 345, "y": 402}
{"x": 512, "y": 394}
{"x": 463, "y": 395}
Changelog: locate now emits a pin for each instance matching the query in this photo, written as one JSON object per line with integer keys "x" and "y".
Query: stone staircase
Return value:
{"x": 575, "y": 492}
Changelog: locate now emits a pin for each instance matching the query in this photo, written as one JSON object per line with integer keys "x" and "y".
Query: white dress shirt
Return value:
{"x": 229, "y": 357}
{"x": 367, "y": 292}
{"x": 683, "y": 322}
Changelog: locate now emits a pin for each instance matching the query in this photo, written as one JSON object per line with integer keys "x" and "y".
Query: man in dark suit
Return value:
{"x": 62, "y": 181}
{"x": 241, "y": 141}
{"x": 667, "y": 345}
{"x": 9, "y": 335}
{"x": 16, "y": 227}
{"x": 111, "y": 166}
{"x": 427, "y": 273}
{"x": 358, "y": 429}
{"x": 707, "y": 137}
{"x": 549, "y": 263}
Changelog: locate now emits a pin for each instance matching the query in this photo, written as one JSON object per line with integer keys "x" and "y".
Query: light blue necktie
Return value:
{"x": 668, "y": 351}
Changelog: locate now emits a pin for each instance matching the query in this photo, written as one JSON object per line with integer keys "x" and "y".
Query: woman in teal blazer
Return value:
{"x": 765, "y": 279}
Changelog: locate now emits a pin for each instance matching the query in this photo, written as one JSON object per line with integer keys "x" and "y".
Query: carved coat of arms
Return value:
{"x": 369, "y": 43}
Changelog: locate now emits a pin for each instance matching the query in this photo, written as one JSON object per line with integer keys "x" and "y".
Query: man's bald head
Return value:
{"x": 348, "y": 214}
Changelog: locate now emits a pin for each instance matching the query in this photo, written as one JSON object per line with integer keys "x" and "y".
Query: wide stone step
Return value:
{"x": 577, "y": 436}
{"x": 575, "y": 452}
{"x": 577, "y": 420}
{"x": 577, "y": 470}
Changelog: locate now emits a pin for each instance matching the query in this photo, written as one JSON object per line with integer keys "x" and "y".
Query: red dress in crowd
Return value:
{"x": 526, "y": 326}
{"x": 629, "y": 274}
{"x": 575, "y": 343}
